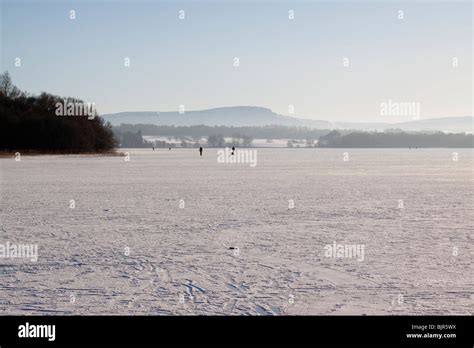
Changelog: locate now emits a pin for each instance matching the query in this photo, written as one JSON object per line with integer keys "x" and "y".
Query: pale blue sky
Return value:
{"x": 282, "y": 62}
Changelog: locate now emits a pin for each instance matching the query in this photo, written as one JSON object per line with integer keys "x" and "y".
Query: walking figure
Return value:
{"x": 233, "y": 149}
{"x": 200, "y": 151}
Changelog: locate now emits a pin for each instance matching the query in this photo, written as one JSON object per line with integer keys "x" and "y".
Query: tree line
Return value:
{"x": 135, "y": 139}
{"x": 395, "y": 139}
{"x": 335, "y": 139}
{"x": 262, "y": 132}
{"x": 32, "y": 123}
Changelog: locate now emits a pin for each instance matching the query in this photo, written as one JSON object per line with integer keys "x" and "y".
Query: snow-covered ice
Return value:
{"x": 171, "y": 233}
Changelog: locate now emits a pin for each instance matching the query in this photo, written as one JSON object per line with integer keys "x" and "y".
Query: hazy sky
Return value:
{"x": 283, "y": 62}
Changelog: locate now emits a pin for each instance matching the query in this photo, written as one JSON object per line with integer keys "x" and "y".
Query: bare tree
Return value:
{"x": 7, "y": 87}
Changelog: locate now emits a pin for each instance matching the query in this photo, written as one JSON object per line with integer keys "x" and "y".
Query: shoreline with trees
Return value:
{"x": 218, "y": 137}
{"x": 396, "y": 139}
{"x": 40, "y": 125}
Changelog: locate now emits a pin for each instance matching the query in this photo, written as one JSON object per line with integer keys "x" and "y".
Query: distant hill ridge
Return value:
{"x": 224, "y": 116}
{"x": 238, "y": 116}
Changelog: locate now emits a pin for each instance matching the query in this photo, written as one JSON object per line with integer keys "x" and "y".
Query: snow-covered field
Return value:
{"x": 169, "y": 232}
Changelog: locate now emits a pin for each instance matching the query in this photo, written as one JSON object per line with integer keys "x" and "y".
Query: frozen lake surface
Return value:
{"x": 169, "y": 232}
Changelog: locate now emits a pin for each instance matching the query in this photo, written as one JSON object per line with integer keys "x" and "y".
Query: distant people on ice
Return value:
{"x": 200, "y": 151}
